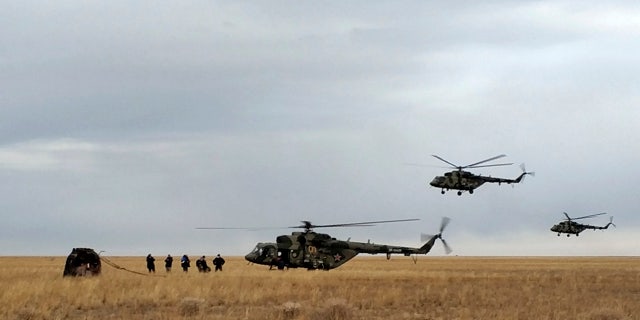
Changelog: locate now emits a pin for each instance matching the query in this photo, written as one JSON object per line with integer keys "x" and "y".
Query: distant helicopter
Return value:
{"x": 311, "y": 250}
{"x": 466, "y": 181}
{"x": 569, "y": 226}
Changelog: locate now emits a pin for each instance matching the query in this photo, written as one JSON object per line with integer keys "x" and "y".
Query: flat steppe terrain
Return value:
{"x": 365, "y": 288}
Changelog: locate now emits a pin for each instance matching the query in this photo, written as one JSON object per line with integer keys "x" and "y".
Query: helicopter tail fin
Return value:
{"x": 524, "y": 173}
{"x": 610, "y": 223}
{"x": 430, "y": 240}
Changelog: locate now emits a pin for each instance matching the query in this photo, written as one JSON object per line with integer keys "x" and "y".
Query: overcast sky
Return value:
{"x": 126, "y": 125}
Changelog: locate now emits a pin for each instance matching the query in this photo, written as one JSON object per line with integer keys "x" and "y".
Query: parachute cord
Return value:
{"x": 112, "y": 264}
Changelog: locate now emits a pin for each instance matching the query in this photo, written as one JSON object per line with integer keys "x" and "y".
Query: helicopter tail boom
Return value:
{"x": 609, "y": 224}
{"x": 599, "y": 227}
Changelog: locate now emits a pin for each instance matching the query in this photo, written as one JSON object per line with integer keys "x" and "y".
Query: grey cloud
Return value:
{"x": 144, "y": 122}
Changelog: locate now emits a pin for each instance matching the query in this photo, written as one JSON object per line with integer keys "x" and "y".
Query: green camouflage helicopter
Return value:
{"x": 570, "y": 227}
{"x": 466, "y": 181}
{"x": 311, "y": 250}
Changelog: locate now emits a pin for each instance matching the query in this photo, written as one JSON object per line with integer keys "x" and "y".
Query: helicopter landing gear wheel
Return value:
{"x": 471, "y": 191}
{"x": 442, "y": 191}
{"x": 568, "y": 235}
{"x": 459, "y": 193}
{"x": 558, "y": 234}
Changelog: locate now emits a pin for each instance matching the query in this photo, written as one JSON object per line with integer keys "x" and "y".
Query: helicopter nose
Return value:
{"x": 434, "y": 182}
{"x": 251, "y": 257}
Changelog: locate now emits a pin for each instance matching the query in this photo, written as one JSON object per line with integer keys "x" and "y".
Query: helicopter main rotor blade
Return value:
{"x": 222, "y": 228}
{"x": 566, "y": 215}
{"x": 309, "y": 225}
{"x": 590, "y": 216}
{"x": 486, "y": 160}
{"x": 445, "y": 161}
{"x": 239, "y": 228}
{"x": 490, "y": 165}
{"x": 424, "y": 165}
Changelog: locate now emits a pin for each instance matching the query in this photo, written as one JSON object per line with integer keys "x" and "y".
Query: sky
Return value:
{"x": 124, "y": 125}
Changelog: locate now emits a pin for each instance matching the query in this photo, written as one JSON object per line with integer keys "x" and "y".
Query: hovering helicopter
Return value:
{"x": 466, "y": 181}
{"x": 311, "y": 250}
{"x": 569, "y": 226}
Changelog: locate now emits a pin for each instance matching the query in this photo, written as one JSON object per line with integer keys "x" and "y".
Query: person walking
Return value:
{"x": 185, "y": 263}
{"x": 151, "y": 265}
{"x": 202, "y": 265}
{"x": 218, "y": 262}
{"x": 168, "y": 261}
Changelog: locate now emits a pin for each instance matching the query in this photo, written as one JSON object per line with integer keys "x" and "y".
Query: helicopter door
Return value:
{"x": 283, "y": 254}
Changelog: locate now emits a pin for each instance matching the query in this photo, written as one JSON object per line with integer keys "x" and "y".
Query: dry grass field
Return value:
{"x": 366, "y": 288}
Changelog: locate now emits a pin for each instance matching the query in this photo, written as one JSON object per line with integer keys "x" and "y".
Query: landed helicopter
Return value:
{"x": 569, "y": 226}
{"x": 466, "y": 181}
{"x": 311, "y": 250}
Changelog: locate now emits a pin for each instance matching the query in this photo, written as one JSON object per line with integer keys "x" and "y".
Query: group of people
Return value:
{"x": 185, "y": 263}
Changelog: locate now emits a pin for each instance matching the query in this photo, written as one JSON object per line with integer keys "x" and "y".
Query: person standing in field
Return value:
{"x": 218, "y": 262}
{"x": 185, "y": 263}
{"x": 151, "y": 265}
{"x": 168, "y": 261}
{"x": 202, "y": 265}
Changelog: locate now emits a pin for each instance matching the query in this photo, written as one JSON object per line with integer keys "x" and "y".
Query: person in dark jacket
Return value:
{"x": 202, "y": 265}
{"x": 218, "y": 262}
{"x": 151, "y": 265}
{"x": 168, "y": 261}
{"x": 185, "y": 263}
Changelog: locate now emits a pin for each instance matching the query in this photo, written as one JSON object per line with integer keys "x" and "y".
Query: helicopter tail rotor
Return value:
{"x": 524, "y": 173}
{"x": 430, "y": 239}
{"x": 610, "y": 223}
{"x": 443, "y": 224}
{"x": 447, "y": 249}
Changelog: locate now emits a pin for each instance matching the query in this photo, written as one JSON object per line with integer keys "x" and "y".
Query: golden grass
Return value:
{"x": 365, "y": 288}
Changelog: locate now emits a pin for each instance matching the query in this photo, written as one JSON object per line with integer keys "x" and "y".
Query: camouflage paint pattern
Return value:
{"x": 313, "y": 250}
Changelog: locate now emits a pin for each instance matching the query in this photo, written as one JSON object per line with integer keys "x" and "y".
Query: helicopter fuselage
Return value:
{"x": 320, "y": 251}
{"x": 568, "y": 227}
{"x": 467, "y": 181}
{"x": 458, "y": 180}
{"x": 572, "y": 227}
